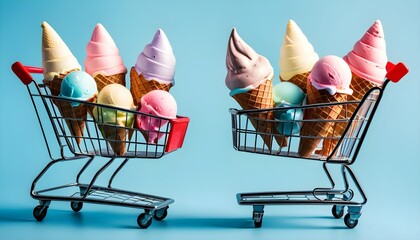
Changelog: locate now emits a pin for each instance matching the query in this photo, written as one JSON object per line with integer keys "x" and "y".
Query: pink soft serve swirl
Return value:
{"x": 102, "y": 54}
{"x": 368, "y": 57}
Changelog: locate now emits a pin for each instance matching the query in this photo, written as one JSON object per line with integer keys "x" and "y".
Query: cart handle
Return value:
{"x": 177, "y": 133}
{"x": 396, "y": 71}
{"x": 23, "y": 72}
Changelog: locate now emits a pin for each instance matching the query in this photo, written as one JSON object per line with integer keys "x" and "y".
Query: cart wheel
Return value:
{"x": 142, "y": 222}
{"x": 257, "y": 217}
{"x": 76, "y": 206}
{"x": 349, "y": 222}
{"x": 337, "y": 212}
{"x": 161, "y": 214}
{"x": 40, "y": 212}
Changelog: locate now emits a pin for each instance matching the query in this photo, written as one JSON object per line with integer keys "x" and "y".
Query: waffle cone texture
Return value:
{"x": 313, "y": 132}
{"x": 260, "y": 98}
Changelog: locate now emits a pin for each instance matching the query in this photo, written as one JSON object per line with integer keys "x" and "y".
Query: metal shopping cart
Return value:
{"x": 92, "y": 145}
{"x": 247, "y": 139}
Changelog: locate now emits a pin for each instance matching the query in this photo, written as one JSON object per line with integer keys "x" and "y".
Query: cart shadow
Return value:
{"x": 127, "y": 220}
{"x": 269, "y": 222}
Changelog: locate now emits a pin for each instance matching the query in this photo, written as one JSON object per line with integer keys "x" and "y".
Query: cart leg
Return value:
{"x": 87, "y": 190}
{"x": 352, "y": 217}
{"x": 257, "y": 215}
{"x": 116, "y": 172}
{"x": 84, "y": 168}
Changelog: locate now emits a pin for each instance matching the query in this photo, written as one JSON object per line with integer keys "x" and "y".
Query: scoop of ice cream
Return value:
{"x": 56, "y": 56}
{"x": 332, "y": 74}
{"x": 157, "y": 61}
{"x": 78, "y": 85}
{"x": 297, "y": 54}
{"x": 246, "y": 69}
{"x": 287, "y": 92}
{"x": 115, "y": 95}
{"x": 289, "y": 121}
{"x": 157, "y": 103}
{"x": 102, "y": 54}
{"x": 368, "y": 57}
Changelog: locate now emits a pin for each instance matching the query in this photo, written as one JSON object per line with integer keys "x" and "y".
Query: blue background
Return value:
{"x": 205, "y": 175}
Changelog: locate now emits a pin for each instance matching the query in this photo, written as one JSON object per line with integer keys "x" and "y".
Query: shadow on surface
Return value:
{"x": 127, "y": 219}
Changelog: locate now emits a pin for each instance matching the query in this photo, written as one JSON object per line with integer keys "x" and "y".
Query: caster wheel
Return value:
{"x": 257, "y": 224}
{"x": 141, "y": 221}
{"x": 258, "y": 217}
{"x": 337, "y": 212}
{"x": 161, "y": 214}
{"x": 40, "y": 212}
{"x": 349, "y": 222}
{"x": 76, "y": 206}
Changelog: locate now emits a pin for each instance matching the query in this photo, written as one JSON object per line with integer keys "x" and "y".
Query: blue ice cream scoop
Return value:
{"x": 287, "y": 94}
{"x": 78, "y": 85}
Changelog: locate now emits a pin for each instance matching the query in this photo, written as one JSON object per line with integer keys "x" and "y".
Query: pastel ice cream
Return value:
{"x": 367, "y": 62}
{"x": 154, "y": 68}
{"x": 329, "y": 82}
{"x": 57, "y": 59}
{"x": 297, "y": 56}
{"x": 156, "y": 103}
{"x": 114, "y": 95}
{"x": 103, "y": 61}
{"x": 368, "y": 57}
{"x": 78, "y": 85}
{"x": 248, "y": 78}
{"x": 331, "y": 73}
{"x": 287, "y": 94}
{"x": 246, "y": 68}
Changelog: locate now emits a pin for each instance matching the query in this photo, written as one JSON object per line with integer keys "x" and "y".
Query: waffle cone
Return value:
{"x": 115, "y": 136}
{"x": 102, "y": 81}
{"x": 139, "y": 86}
{"x": 360, "y": 87}
{"x": 299, "y": 80}
{"x": 260, "y": 98}
{"x": 77, "y": 114}
{"x": 318, "y": 129}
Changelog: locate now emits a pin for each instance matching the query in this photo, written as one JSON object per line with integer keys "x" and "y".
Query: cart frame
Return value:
{"x": 345, "y": 153}
{"x": 93, "y": 145}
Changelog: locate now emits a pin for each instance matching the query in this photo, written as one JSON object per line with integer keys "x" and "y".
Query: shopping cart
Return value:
{"x": 247, "y": 139}
{"x": 92, "y": 145}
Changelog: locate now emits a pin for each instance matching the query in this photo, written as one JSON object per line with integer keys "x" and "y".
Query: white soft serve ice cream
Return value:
{"x": 56, "y": 56}
{"x": 297, "y": 54}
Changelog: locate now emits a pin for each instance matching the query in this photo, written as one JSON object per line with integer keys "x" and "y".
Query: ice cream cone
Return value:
{"x": 75, "y": 118}
{"x": 360, "y": 87}
{"x": 299, "y": 80}
{"x": 313, "y": 132}
{"x": 139, "y": 86}
{"x": 116, "y": 137}
{"x": 259, "y": 98}
{"x": 77, "y": 114}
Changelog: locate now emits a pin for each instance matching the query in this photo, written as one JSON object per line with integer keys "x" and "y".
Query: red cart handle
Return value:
{"x": 23, "y": 72}
{"x": 177, "y": 133}
{"x": 396, "y": 71}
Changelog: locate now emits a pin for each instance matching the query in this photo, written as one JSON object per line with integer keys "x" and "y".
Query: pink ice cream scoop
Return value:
{"x": 157, "y": 103}
{"x": 368, "y": 57}
{"x": 331, "y": 73}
